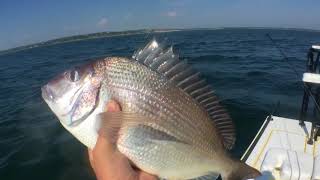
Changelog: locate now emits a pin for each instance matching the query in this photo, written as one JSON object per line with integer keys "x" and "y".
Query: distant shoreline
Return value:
{"x": 127, "y": 33}
{"x": 86, "y": 37}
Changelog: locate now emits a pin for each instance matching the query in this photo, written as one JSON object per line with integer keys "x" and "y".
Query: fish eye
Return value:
{"x": 74, "y": 76}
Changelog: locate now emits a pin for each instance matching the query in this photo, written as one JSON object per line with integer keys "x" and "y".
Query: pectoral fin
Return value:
{"x": 111, "y": 124}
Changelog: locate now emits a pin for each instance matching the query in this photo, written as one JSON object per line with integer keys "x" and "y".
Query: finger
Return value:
{"x": 103, "y": 147}
{"x": 111, "y": 106}
{"x": 104, "y": 152}
{"x": 102, "y": 156}
{"x": 146, "y": 176}
{"x": 110, "y": 163}
{"x": 91, "y": 160}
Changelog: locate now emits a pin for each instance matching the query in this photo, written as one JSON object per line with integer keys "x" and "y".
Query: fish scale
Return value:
{"x": 189, "y": 112}
{"x": 125, "y": 80}
{"x": 142, "y": 108}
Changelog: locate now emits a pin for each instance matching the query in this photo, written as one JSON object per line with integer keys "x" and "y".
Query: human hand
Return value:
{"x": 108, "y": 163}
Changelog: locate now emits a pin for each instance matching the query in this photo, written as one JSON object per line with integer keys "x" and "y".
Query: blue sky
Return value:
{"x": 28, "y": 21}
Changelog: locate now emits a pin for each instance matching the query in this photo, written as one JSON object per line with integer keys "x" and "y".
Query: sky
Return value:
{"x": 30, "y": 21}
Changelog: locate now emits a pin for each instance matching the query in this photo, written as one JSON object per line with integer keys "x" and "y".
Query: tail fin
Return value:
{"x": 242, "y": 172}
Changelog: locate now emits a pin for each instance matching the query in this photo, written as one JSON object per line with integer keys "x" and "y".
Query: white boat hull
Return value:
{"x": 280, "y": 151}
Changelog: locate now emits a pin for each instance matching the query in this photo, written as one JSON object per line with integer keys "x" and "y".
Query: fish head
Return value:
{"x": 74, "y": 94}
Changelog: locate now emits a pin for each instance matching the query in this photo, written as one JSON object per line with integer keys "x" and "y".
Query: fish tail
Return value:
{"x": 241, "y": 172}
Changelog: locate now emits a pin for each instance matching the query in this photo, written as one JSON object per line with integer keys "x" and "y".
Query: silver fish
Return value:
{"x": 171, "y": 124}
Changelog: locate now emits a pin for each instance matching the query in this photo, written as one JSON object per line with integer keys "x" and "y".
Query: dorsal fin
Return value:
{"x": 167, "y": 63}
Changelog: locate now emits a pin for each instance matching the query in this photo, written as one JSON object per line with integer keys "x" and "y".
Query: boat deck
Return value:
{"x": 280, "y": 150}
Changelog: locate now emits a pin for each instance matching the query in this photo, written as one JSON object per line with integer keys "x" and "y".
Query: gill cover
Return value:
{"x": 85, "y": 100}
{"x": 73, "y": 94}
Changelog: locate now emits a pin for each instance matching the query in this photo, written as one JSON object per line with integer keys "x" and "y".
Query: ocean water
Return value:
{"x": 246, "y": 70}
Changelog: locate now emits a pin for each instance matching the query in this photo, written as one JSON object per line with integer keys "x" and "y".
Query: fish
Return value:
{"x": 171, "y": 123}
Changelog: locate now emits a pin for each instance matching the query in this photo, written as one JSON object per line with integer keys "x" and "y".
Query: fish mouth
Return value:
{"x": 47, "y": 93}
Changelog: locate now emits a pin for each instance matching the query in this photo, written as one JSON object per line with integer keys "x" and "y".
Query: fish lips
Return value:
{"x": 47, "y": 93}
{"x": 48, "y": 96}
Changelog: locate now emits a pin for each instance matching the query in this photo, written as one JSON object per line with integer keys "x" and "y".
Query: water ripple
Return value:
{"x": 245, "y": 69}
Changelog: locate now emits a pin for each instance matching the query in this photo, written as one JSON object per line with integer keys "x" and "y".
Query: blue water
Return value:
{"x": 243, "y": 66}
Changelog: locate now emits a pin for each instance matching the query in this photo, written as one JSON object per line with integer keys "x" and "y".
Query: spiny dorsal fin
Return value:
{"x": 167, "y": 63}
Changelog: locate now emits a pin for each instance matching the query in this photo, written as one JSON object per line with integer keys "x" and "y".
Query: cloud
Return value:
{"x": 171, "y": 14}
{"x": 103, "y": 22}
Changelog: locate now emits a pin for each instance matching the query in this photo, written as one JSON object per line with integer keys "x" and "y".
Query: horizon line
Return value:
{"x": 160, "y": 30}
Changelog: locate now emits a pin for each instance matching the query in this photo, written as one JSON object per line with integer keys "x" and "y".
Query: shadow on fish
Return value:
{"x": 171, "y": 124}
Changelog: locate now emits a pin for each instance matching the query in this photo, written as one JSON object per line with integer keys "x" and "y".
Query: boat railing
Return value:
{"x": 311, "y": 80}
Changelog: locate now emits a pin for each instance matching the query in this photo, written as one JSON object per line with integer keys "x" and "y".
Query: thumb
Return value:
{"x": 113, "y": 106}
{"x": 103, "y": 144}
{"x": 146, "y": 176}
